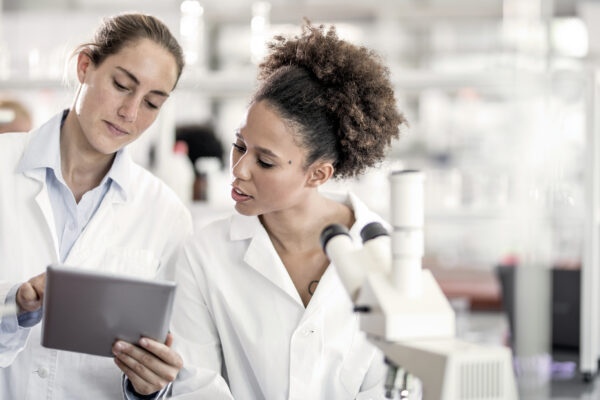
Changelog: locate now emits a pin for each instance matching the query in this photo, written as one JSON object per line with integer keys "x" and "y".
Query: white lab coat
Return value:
{"x": 236, "y": 304}
{"x": 137, "y": 235}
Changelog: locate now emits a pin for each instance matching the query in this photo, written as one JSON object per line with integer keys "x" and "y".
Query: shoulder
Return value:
{"x": 214, "y": 233}
{"x": 154, "y": 196}
{"x": 209, "y": 247}
{"x": 149, "y": 187}
{"x": 221, "y": 242}
{"x": 363, "y": 215}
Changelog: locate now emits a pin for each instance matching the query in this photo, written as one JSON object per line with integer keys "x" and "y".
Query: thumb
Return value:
{"x": 27, "y": 298}
{"x": 169, "y": 340}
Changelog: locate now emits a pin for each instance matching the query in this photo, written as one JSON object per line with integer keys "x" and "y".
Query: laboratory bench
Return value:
{"x": 573, "y": 387}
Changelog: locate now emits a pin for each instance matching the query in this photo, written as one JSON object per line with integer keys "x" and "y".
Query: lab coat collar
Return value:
{"x": 40, "y": 150}
{"x": 243, "y": 227}
{"x": 120, "y": 173}
{"x": 43, "y": 151}
{"x": 260, "y": 253}
{"x": 262, "y": 256}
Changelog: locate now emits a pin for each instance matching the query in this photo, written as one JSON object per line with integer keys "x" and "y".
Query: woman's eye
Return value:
{"x": 151, "y": 105}
{"x": 239, "y": 148}
{"x": 119, "y": 86}
{"x": 264, "y": 164}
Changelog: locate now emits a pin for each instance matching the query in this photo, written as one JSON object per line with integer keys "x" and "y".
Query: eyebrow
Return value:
{"x": 259, "y": 149}
{"x": 137, "y": 82}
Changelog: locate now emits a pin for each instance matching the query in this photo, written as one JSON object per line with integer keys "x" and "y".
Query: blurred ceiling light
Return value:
{"x": 259, "y": 25}
{"x": 523, "y": 25}
{"x": 525, "y": 32}
{"x": 569, "y": 37}
{"x": 191, "y": 28}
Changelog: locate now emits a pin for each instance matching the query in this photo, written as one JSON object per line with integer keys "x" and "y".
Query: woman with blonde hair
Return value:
{"x": 70, "y": 194}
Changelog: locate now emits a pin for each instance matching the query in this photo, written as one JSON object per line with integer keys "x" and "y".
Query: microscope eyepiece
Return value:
{"x": 330, "y": 231}
{"x": 372, "y": 230}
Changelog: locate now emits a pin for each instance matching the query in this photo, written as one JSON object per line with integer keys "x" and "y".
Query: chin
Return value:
{"x": 107, "y": 151}
{"x": 245, "y": 211}
{"x": 108, "y": 147}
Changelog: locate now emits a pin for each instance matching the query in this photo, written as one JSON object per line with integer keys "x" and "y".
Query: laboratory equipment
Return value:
{"x": 404, "y": 312}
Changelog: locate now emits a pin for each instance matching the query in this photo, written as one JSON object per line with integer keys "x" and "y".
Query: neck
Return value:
{"x": 82, "y": 166}
{"x": 298, "y": 229}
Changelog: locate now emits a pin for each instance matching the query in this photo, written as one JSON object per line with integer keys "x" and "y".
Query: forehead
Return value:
{"x": 153, "y": 65}
{"x": 264, "y": 127}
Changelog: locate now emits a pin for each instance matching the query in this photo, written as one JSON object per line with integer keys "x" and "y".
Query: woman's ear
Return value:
{"x": 319, "y": 173}
{"x": 83, "y": 63}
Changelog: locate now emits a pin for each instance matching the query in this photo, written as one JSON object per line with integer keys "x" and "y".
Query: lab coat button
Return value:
{"x": 43, "y": 372}
{"x": 308, "y": 332}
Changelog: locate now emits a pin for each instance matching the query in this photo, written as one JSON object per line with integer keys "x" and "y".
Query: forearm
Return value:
{"x": 14, "y": 330}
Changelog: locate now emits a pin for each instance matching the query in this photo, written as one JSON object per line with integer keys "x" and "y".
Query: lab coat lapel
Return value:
{"x": 328, "y": 284}
{"x": 261, "y": 255}
{"x": 43, "y": 202}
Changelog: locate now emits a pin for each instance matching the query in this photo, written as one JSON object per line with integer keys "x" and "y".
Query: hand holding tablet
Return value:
{"x": 87, "y": 311}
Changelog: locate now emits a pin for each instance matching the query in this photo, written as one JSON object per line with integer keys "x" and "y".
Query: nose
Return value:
{"x": 239, "y": 167}
{"x": 129, "y": 109}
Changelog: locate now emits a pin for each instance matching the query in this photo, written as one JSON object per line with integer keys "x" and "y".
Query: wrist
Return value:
{"x": 131, "y": 389}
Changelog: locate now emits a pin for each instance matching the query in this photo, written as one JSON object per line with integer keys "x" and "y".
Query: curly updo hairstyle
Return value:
{"x": 336, "y": 96}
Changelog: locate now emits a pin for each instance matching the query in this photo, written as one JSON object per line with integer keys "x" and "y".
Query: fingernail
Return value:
{"x": 119, "y": 346}
{"x": 144, "y": 342}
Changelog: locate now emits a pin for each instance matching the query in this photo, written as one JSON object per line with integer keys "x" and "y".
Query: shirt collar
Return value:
{"x": 120, "y": 173}
{"x": 43, "y": 151}
{"x": 43, "y": 148}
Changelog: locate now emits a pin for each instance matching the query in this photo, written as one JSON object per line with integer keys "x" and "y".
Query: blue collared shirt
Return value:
{"x": 70, "y": 217}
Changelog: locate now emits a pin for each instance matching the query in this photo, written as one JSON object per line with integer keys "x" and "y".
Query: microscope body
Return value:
{"x": 405, "y": 313}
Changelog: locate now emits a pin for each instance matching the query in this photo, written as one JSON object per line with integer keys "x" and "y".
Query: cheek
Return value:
{"x": 92, "y": 100}
{"x": 281, "y": 187}
{"x": 145, "y": 119}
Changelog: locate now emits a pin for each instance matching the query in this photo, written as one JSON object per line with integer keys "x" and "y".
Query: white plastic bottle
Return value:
{"x": 177, "y": 172}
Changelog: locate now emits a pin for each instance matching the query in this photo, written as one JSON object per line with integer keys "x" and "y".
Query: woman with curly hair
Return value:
{"x": 259, "y": 302}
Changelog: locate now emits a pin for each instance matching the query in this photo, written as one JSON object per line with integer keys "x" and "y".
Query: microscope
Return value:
{"x": 404, "y": 312}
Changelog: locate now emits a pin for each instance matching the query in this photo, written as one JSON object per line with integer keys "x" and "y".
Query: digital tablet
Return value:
{"x": 87, "y": 311}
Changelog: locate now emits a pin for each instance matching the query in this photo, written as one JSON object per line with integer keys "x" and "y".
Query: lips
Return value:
{"x": 238, "y": 195}
{"x": 115, "y": 129}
